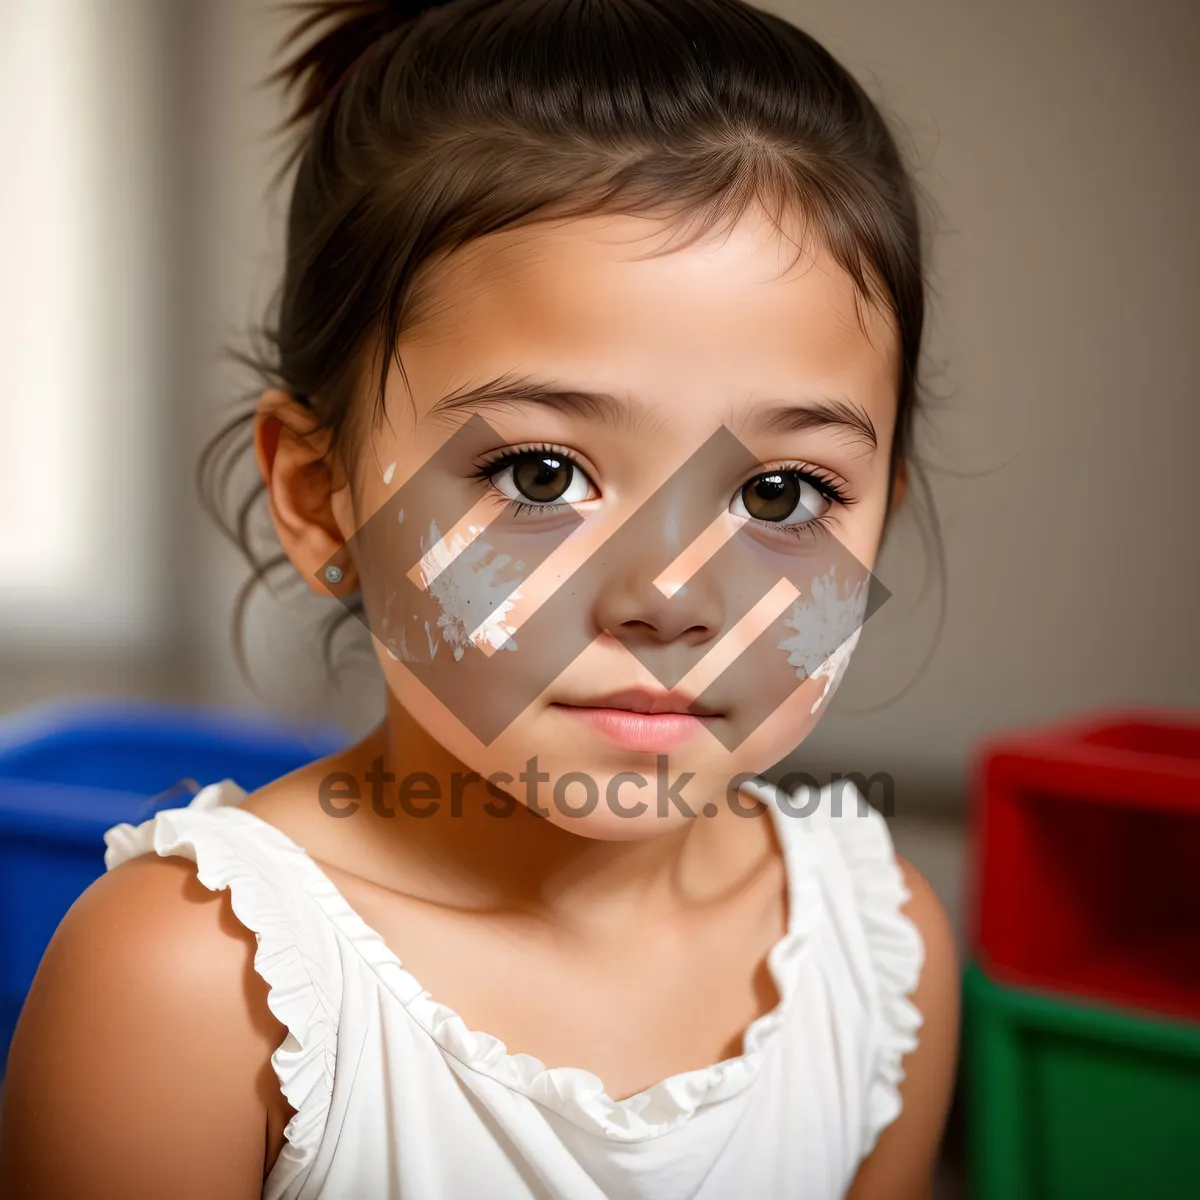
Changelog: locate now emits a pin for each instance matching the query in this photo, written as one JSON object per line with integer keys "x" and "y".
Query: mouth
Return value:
{"x": 641, "y": 720}
{"x": 647, "y": 702}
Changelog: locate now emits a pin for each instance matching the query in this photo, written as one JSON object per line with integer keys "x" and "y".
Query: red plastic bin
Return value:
{"x": 1088, "y": 859}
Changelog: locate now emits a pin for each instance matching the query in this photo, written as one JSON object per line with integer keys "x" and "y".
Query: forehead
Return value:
{"x": 626, "y": 305}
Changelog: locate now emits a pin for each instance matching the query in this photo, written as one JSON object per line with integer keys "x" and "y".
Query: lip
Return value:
{"x": 641, "y": 720}
{"x": 649, "y": 733}
{"x": 648, "y": 702}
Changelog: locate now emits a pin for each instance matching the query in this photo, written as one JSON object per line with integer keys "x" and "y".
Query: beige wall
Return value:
{"x": 1059, "y": 143}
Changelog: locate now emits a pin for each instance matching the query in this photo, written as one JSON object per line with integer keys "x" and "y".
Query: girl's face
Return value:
{"x": 617, "y": 475}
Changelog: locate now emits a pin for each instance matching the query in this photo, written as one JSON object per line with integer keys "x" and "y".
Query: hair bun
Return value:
{"x": 410, "y": 9}
{"x": 345, "y": 30}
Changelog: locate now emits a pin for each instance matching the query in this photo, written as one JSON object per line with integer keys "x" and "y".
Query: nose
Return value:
{"x": 654, "y": 588}
{"x": 635, "y": 611}
{"x": 664, "y": 578}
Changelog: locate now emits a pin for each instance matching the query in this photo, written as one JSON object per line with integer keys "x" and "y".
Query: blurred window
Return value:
{"x": 80, "y": 322}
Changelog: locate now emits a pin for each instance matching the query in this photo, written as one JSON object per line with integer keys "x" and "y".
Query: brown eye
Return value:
{"x": 780, "y": 498}
{"x": 771, "y": 497}
{"x": 543, "y": 480}
{"x": 541, "y": 477}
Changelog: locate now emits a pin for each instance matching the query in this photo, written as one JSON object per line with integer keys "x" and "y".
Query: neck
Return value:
{"x": 466, "y": 856}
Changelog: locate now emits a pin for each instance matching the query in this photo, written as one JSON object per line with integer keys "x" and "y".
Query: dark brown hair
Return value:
{"x": 423, "y": 128}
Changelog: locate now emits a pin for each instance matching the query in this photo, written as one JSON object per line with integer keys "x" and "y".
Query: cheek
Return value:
{"x": 860, "y": 528}
{"x": 821, "y": 670}
{"x": 448, "y": 612}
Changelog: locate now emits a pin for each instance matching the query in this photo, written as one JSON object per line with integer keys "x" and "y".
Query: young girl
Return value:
{"x": 594, "y": 377}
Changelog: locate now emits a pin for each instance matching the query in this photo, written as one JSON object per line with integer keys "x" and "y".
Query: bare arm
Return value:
{"x": 141, "y": 1063}
{"x": 901, "y": 1165}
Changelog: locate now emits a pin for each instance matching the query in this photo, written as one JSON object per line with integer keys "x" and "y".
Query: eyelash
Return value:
{"x": 830, "y": 488}
{"x": 489, "y": 468}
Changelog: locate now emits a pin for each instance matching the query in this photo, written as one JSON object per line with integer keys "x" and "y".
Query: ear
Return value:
{"x": 899, "y": 485}
{"x": 305, "y": 485}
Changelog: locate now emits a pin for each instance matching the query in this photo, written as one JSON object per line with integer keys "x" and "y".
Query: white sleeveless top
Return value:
{"x": 396, "y": 1098}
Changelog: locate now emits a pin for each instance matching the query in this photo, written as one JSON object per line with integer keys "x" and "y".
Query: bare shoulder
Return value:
{"x": 937, "y": 992}
{"x": 144, "y": 1043}
{"x": 901, "y": 1165}
{"x": 939, "y": 974}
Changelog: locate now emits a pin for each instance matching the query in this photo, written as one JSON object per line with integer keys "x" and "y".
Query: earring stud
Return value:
{"x": 334, "y": 574}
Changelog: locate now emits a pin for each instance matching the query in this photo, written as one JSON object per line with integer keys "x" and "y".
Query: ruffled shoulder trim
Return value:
{"x": 574, "y": 1093}
{"x": 894, "y": 946}
{"x": 297, "y": 953}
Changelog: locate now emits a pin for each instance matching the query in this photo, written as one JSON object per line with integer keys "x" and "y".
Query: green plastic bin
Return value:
{"x": 1073, "y": 1101}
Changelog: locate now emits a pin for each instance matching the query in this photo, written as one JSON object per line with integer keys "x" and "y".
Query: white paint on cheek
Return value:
{"x": 495, "y": 632}
{"x": 387, "y": 475}
{"x": 400, "y": 516}
{"x": 827, "y": 628}
{"x": 473, "y": 587}
{"x": 432, "y": 642}
{"x": 396, "y": 636}
{"x": 834, "y": 668}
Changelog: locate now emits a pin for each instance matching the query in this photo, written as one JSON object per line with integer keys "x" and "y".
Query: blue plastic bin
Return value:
{"x": 70, "y": 772}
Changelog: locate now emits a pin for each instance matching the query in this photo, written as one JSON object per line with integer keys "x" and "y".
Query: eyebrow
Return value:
{"x": 826, "y": 412}
{"x": 815, "y": 415}
{"x": 509, "y": 393}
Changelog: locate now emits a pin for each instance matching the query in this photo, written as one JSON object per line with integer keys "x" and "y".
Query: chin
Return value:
{"x": 609, "y": 794}
{"x": 603, "y": 825}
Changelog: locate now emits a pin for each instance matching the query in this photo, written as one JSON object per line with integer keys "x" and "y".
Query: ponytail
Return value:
{"x": 347, "y": 30}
